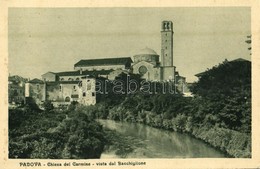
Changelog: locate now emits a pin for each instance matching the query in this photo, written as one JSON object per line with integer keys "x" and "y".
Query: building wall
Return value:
{"x": 105, "y": 67}
{"x": 153, "y": 73}
{"x": 16, "y": 92}
{"x": 68, "y": 91}
{"x": 87, "y": 92}
{"x": 70, "y": 78}
{"x": 168, "y": 73}
{"x": 63, "y": 93}
{"x": 53, "y": 92}
{"x": 76, "y": 78}
{"x": 115, "y": 73}
{"x": 36, "y": 91}
{"x": 183, "y": 86}
{"x": 49, "y": 77}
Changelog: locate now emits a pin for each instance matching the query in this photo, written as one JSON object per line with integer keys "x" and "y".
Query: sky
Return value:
{"x": 54, "y": 39}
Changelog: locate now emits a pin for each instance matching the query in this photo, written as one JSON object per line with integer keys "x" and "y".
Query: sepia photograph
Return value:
{"x": 123, "y": 85}
{"x": 134, "y": 82}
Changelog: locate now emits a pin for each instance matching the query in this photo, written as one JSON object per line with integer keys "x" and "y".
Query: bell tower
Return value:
{"x": 167, "y": 44}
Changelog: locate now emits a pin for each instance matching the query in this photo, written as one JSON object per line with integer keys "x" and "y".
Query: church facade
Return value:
{"x": 65, "y": 86}
{"x": 146, "y": 62}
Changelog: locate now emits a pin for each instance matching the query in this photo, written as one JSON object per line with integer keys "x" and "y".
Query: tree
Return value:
{"x": 226, "y": 89}
{"x": 48, "y": 106}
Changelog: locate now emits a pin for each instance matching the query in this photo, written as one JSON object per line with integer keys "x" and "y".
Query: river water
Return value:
{"x": 158, "y": 143}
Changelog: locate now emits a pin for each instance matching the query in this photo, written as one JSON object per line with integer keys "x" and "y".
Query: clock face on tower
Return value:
{"x": 142, "y": 70}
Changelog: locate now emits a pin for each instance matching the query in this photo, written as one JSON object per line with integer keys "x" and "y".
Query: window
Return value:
{"x": 60, "y": 88}
{"x": 93, "y": 94}
{"x": 75, "y": 96}
{"x": 84, "y": 94}
{"x": 77, "y": 79}
{"x": 67, "y": 99}
{"x": 74, "y": 87}
{"x": 61, "y": 79}
{"x": 80, "y": 84}
{"x": 142, "y": 69}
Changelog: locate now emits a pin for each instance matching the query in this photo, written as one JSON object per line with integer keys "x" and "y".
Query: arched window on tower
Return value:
{"x": 80, "y": 84}
{"x": 165, "y": 26}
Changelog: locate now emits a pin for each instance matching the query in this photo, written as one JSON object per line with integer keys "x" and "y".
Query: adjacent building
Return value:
{"x": 62, "y": 93}
{"x": 16, "y": 92}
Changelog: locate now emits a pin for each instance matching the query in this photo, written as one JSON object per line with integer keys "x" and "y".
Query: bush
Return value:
{"x": 55, "y": 135}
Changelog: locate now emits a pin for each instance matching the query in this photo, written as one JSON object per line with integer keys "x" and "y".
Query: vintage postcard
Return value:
{"x": 92, "y": 84}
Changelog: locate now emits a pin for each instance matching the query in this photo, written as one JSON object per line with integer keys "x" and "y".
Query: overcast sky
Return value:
{"x": 54, "y": 39}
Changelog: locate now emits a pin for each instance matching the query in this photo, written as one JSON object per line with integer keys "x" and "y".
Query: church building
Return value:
{"x": 63, "y": 86}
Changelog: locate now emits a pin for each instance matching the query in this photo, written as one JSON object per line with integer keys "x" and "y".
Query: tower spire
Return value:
{"x": 167, "y": 43}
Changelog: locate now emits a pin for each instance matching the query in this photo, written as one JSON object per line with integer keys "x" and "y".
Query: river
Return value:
{"x": 158, "y": 143}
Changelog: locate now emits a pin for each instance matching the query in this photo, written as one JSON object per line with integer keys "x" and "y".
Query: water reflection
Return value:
{"x": 160, "y": 143}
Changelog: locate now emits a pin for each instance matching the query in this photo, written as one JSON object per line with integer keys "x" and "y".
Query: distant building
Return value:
{"x": 35, "y": 89}
{"x": 16, "y": 90}
{"x": 62, "y": 92}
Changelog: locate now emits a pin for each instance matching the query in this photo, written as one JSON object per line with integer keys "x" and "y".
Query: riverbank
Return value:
{"x": 233, "y": 143}
{"x": 143, "y": 141}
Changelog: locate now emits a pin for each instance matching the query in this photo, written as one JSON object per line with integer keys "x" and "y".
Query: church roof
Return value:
{"x": 106, "y": 61}
{"x": 146, "y": 51}
{"x": 78, "y": 73}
